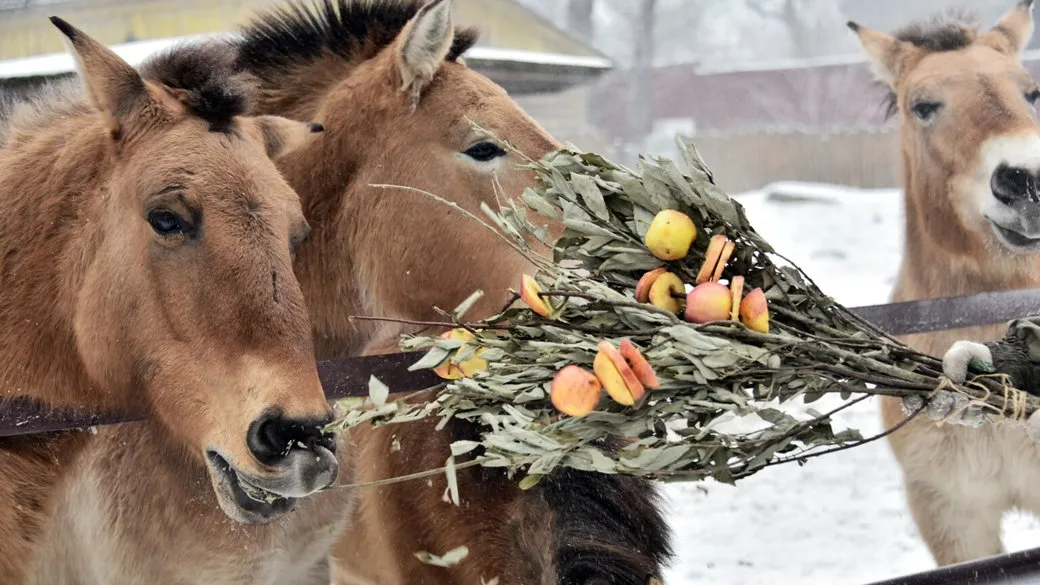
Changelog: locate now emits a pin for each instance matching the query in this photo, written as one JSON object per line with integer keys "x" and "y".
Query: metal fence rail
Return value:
{"x": 350, "y": 377}
{"x": 1017, "y": 568}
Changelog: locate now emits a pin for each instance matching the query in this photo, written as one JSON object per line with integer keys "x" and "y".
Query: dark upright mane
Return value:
{"x": 354, "y": 30}
{"x": 611, "y": 528}
{"x": 951, "y": 31}
{"x": 947, "y": 32}
{"x": 205, "y": 74}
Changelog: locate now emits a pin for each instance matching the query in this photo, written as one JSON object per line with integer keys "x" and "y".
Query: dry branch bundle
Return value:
{"x": 705, "y": 372}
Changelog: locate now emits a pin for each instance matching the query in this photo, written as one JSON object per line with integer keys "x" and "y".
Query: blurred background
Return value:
{"x": 778, "y": 98}
{"x": 780, "y": 82}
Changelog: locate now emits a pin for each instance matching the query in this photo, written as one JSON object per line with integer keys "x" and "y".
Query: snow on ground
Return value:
{"x": 840, "y": 519}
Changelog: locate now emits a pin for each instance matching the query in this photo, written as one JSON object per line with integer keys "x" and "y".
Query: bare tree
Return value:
{"x": 579, "y": 19}
{"x": 815, "y": 27}
{"x": 640, "y": 110}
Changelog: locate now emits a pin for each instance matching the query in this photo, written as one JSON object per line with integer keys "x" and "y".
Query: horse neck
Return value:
{"x": 325, "y": 264}
{"x": 47, "y": 229}
{"x": 944, "y": 257}
{"x": 299, "y": 91}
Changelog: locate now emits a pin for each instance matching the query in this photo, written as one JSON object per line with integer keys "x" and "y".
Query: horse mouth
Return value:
{"x": 243, "y": 500}
{"x": 1016, "y": 240}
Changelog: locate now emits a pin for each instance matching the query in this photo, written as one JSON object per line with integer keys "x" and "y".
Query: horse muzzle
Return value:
{"x": 251, "y": 499}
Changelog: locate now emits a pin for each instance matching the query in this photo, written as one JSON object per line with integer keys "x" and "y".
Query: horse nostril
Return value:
{"x": 271, "y": 437}
{"x": 1010, "y": 184}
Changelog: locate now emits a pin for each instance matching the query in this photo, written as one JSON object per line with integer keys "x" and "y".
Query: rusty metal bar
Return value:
{"x": 947, "y": 313}
{"x": 350, "y": 377}
{"x": 1017, "y": 568}
{"x": 339, "y": 378}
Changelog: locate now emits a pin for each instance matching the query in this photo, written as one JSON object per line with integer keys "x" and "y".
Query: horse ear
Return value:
{"x": 423, "y": 45}
{"x": 887, "y": 54}
{"x": 1012, "y": 32}
{"x": 113, "y": 86}
{"x": 282, "y": 135}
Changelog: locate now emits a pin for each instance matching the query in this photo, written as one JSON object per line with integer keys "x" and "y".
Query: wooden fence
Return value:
{"x": 750, "y": 161}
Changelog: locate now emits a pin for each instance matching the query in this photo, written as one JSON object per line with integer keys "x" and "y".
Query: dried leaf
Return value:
{"x": 529, "y": 481}
{"x": 432, "y": 359}
{"x": 377, "y": 391}
{"x": 591, "y": 195}
{"x": 467, "y": 304}
{"x": 453, "y": 480}
{"x": 448, "y": 559}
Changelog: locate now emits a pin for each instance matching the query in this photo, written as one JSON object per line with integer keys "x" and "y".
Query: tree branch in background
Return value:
{"x": 640, "y": 107}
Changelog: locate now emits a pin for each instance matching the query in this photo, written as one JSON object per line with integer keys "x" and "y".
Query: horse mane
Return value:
{"x": 205, "y": 73}
{"x": 950, "y": 31}
{"x": 31, "y": 107}
{"x": 296, "y": 34}
{"x": 610, "y": 528}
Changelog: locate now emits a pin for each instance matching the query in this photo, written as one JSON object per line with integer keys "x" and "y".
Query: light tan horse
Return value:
{"x": 387, "y": 82}
{"x": 145, "y": 267}
{"x": 971, "y": 167}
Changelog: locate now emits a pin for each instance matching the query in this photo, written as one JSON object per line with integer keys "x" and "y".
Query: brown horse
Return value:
{"x": 145, "y": 266}
{"x": 971, "y": 168}
{"x": 387, "y": 81}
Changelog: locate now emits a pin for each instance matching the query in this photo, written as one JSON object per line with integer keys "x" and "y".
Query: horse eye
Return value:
{"x": 1032, "y": 96}
{"x": 925, "y": 111}
{"x": 484, "y": 151}
{"x": 167, "y": 223}
{"x": 297, "y": 238}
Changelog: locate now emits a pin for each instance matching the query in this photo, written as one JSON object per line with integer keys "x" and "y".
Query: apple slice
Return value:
{"x": 711, "y": 257}
{"x": 664, "y": 290}
{"x": 736, "y": 289}
{"x": 642, "y": 368}
{"x": 611, "y": 379}
{"x": 635, "y": 388}
{"x": 529, "y": 292}
{"x": 645, "y": 282}
{"x": 754, "y": 311}
{"x": 575, "y": 391}
{"x": 727, "y": 251}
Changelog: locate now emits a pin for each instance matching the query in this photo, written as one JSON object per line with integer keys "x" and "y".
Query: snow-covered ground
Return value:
{"x": 840, "y": 519}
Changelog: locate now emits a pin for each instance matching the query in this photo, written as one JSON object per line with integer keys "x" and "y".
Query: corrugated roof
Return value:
{"x": 25, "y": 31}
{"x": 135, "y": 52}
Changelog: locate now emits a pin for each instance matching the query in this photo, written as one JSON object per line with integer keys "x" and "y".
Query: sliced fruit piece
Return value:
{"x": 464, "y": 369}
{"x": 754, "y": 311}
{"x": 645, "y": 282}
{"x": 670, "y": 234}
{"x": 611, "y": 379}
{"x": 736, "y": 291}
{"x": 664, "y": 291}
{"x": 642, "y": 368}
{"x": 529, "y": 292}
{"x": 635, "y": 387}
{"x": 727, "y": 251}
{"x": 711, "y": 257}
{"x": 708, "y": 302}
{"x": 575, "y": 391}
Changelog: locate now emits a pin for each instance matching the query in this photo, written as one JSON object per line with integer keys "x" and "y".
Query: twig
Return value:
{"x": 402, "y": 321}
{"x": 410, "y": 476}
{"x": 805, "y": 457}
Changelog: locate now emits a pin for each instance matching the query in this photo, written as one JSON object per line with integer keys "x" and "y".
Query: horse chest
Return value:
{"x": 109, "y": 530}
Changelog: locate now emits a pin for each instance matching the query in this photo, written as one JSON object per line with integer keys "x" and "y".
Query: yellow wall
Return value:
{"x": 505, "y": 24}
{"x": 24, "y": 33}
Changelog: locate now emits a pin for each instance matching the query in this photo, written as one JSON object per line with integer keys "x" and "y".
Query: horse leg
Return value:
{"x": 956, "y": 528}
